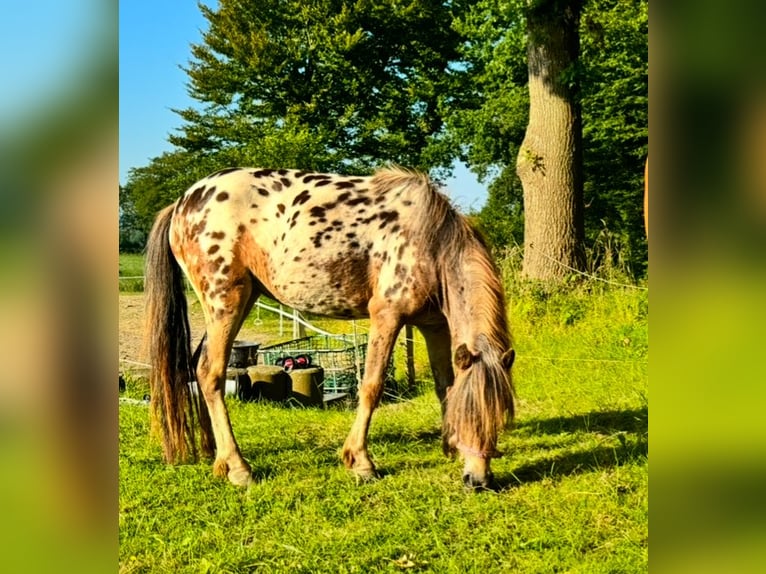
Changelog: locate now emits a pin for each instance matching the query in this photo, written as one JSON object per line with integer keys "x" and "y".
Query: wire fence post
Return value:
{"x": 410, "y": 346}
{"x": 299, "y": 331}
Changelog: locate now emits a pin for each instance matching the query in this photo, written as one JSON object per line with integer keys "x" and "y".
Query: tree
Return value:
{"x": 489, "y": 112}
{"x": 132, "y": 233}
{"x": 150, "y": 188}
{"x": 365, "y": 81}
{"x": 549, "y": 162}
{"x": 611, "y": 76}
{"x": 615, "y": 101}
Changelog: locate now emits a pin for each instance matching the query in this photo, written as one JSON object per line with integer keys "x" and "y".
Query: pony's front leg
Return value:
{"x": 439, "y": 345}
{"x": 384, "y": 327}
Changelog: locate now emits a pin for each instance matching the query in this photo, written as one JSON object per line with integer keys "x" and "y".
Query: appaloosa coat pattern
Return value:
{"x": 388, "y": 246}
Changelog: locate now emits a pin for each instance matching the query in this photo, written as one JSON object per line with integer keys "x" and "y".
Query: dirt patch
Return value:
{"x": 132, "y": 327}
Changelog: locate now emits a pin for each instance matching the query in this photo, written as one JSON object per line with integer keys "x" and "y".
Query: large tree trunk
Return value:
{"x": 549, "y": 163}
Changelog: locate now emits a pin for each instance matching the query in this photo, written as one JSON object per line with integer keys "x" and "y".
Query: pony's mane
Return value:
{"x": 434, "y": 210}
{"x": 483, "y": 403}
{"x": 455, "y": 243}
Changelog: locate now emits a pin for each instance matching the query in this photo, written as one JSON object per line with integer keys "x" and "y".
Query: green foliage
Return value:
{"x": 342, "y": 85}
{"x": 131, "y": 272}
{"x": 337, "y": 86}
{"x": 132, "y": 232}
{"x": 615, "y": 101}
{"x": 164, "y": 179}
{"x": 364, "y": 82}
{"x": 612, "y": 78}
{"x": 574, "y": 476}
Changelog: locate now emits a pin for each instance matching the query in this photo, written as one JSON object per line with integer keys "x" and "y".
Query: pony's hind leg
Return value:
{"x": 224, "y": 317}
{"x": 384, "y": 327}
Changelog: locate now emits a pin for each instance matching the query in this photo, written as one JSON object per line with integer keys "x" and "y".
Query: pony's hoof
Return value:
{"x": 365, "y": 475}
{"x": 472, "y": 483}
{"x": 241, "y": 477}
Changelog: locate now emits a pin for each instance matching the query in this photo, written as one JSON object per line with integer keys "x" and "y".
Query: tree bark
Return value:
{"x": 549, "y": 163}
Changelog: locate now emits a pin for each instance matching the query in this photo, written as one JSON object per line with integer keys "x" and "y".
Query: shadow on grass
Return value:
{"x": 630, "y": 427}
{"x": 607, "y": 422}
{"x": 627, "y": 429}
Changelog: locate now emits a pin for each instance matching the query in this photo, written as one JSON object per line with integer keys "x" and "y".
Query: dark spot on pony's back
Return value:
{"x": 358, "y": 200}
{"x": 302, "y": 197}
{"x": 276, "y": 186}
{"x": 262, "y": 173}
{"x": 316, "y": 176}
{"x": 286, "y": 182}
{"x": 217, "y": 235}
{"x": 386, "y": 217}
{"x": 197, "y": 199}
{"x": 224, "y": 171}
{"x": 195, "y": 195}
{"x": 223, "y": 196}
{"x": 213, "y": 249}
{"x": 263, "y": 192}
{"x": 317, "y": 211}
{"x": 344, "y": 185}
{"x": 281, "y": 207}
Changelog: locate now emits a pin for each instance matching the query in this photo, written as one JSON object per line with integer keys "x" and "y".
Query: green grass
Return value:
{"x": 131, "y": 268}
{"x": 574, "y": 478}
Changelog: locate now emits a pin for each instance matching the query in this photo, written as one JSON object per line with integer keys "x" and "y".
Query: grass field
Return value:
{"x": 574, "y": 478}
{"x": 131, "y": 272}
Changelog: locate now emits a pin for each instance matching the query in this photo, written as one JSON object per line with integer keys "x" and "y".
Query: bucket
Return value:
{"x": 307, "y": 386}
{"x": 243, "y": 354}
{"x": 233, "y": 387}
{"x": 269, "y": 382}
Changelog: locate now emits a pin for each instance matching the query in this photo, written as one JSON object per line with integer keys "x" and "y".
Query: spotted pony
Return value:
{"x": 388, "y": 246}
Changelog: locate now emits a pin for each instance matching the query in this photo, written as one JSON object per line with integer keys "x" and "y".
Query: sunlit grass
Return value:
{"x": 574, "y": 478}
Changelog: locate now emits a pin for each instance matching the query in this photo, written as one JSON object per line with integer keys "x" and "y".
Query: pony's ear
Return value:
{"x": 507, "y": 359}
{"x": 464, "y": 358}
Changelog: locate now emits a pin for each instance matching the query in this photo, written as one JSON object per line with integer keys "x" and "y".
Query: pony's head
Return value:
{"x": 479, "y": 405}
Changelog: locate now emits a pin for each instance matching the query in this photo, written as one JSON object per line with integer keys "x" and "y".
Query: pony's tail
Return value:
{"x": 175, "y": 412}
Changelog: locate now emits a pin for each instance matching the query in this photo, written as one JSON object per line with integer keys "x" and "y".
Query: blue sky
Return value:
{"x": 155, "y": 40}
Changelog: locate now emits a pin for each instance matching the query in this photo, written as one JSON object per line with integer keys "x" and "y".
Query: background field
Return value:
{"x": 574, "y": 478}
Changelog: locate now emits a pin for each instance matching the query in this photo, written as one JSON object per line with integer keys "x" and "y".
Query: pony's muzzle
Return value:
{"x": 475, "y": 483}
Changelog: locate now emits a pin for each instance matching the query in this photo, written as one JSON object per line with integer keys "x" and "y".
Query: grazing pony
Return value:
{"x": 389, "y": 247}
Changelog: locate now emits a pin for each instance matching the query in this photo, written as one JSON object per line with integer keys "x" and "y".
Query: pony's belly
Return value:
{"x": 330, "y": 301}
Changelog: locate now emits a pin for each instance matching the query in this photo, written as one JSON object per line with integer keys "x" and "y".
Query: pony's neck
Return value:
{"x": 474, "y": 303}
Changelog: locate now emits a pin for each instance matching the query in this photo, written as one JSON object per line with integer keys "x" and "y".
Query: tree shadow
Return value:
{"x": 630, "y": 427}
{"x": 606, "y": 422}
